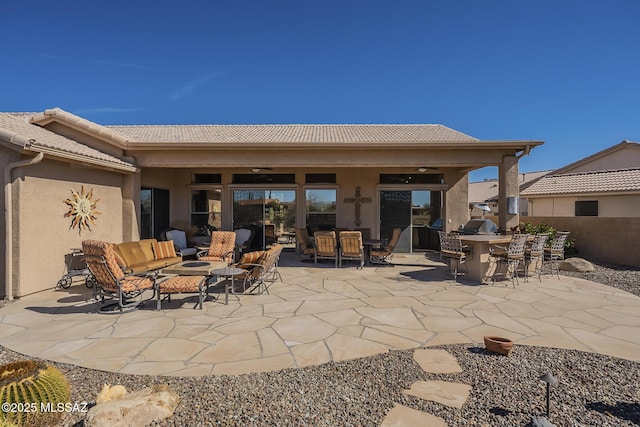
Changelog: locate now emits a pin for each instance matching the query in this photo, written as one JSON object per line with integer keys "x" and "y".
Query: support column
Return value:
{"x": 131, "y": 207}
{"x": 456, "y": 200}
{"x": 508, "y": 186}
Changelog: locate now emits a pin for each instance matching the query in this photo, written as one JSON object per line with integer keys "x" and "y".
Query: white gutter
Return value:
{"x": 8, "y": 201}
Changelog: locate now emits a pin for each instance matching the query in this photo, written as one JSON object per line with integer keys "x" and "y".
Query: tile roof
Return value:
{"x": 45, "y": 140}
{"x": 307, "y": 133}
{"x": 604, "y": 181}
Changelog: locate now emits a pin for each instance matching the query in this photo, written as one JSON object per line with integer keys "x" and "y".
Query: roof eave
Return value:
{"x": 78, "y": 123}
{"x": 450, "y": 145}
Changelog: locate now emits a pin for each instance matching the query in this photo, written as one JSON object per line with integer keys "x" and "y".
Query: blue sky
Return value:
{"x": 565, "y": 72}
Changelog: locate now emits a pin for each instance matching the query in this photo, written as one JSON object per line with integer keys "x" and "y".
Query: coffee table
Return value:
{"x": 228, "y": 272}
{"x": 194, "y": 268}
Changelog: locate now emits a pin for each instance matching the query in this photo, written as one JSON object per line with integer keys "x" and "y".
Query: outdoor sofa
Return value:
{"x": 145, "y": 255}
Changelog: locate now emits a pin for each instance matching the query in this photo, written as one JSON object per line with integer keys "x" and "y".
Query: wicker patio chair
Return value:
{"x": 535, "y": 253}
{"x": 452, "y": 249}
{"x": 326, "y": 246}
{"x": 111, "y": 281}
{"x": 555, "y": 252}
{"x": 510, "y": 256}
{"x": 351, "y": 247}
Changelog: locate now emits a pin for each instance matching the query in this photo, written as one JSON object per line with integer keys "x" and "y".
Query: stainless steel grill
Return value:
{"x": 479, "y": 226}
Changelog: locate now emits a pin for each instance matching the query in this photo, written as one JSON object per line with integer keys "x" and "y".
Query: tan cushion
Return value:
{"x": 251, "y": 257}
{"x": 178, "y": 284}
{"x": 132, "y": 253}
{"x": 163, "y": 250}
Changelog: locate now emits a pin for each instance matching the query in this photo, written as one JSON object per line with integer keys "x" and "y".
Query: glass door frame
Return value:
{"x": 410, "y": 188}
{"x": 261, "y": 187}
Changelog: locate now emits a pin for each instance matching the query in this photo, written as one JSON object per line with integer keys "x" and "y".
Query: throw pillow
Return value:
{"x": 164, "y": 249}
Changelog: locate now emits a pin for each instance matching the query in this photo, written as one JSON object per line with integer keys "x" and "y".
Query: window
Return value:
{"x": 587, "y": 208}
{"x": 206, "y": 207}
{"x": 320, "y": 209}
{"x": 320, "y": 178}
{"x": 207, "y": 178}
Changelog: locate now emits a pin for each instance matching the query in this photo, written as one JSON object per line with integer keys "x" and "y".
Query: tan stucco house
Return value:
{"x": 605, "y": 184}
{"x": 67, "y": 179}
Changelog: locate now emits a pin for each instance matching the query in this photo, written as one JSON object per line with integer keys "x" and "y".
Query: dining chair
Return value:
{"x": 535, "y": 252}
{"x": 326, "y": 246}
{"x": 351, "y": 247}
{"x": 510, "y": 256}
{"x": 451, "y": 248}
{"x": 555, "y": 252}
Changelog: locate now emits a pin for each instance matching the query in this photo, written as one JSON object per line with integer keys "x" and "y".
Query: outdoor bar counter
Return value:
{"x": 478, "y": 266}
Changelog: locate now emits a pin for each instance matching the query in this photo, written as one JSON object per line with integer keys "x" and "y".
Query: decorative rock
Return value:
{"x": 541, "y": 422}
{"x": 436, "y": 361}
{"x": 402, "y": 416}
{"x": 109, "y": 392}
{"x": 447, "y": 393}
{"x": 576, "y": 264}
{"x": 139, "y": 408}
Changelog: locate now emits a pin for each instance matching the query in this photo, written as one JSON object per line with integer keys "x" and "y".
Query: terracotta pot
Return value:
{"x": 498, "y": 345}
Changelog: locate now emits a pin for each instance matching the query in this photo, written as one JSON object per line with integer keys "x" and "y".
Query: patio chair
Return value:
{"x": 555, "y": 252}
{"x": 326, "y": 246}
{"x": 112, "y": 281}
{"x": 179, "y": 238}
{"x": 183, "y": 285}
{"x": 222, "y": 247}
{"x": 510, "y": 256}
{"x": 535, "y": 252}
{"x": 244, "y": 236}
{"x": 384, "y": 254}
{"x": 304, "y": 244}
{"x": 351, "y": 247}
{"x": 261, "y": 267}
{"x": 451, "y": 248}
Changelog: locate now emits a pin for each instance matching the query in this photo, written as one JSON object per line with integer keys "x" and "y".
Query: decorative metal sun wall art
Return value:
{"x": 82, "y": 210}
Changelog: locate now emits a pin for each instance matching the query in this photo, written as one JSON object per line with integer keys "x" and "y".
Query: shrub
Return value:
{"x": 569, "y": 245}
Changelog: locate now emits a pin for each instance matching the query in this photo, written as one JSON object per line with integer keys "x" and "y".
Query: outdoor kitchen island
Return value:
{"x": 479, "y": 269}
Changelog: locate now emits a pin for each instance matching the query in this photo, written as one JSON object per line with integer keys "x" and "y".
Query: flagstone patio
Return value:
{"x": 318, "y": 313}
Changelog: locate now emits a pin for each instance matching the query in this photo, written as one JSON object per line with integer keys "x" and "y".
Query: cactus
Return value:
{"x": 28, "y": 384}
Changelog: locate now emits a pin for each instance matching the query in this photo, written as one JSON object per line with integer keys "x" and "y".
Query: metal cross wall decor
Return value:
{"x": 357, "y": 200}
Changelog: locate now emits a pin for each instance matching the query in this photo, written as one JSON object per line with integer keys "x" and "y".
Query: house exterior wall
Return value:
{"x": 42, "y": 233}
{"x": 6, "y": 157}
{"x": 177, "y": 181}
{"x": 608, "y": 205}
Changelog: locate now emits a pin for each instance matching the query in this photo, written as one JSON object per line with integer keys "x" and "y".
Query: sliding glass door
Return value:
{"x": 412, "y": 211}
{"x": 270, "y": 213}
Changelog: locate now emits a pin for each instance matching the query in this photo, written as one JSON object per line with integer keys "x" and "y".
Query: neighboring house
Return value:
{"x": 67, "y": 179}
{"x": 485, "y": 193}
{"x": 605, "y": 184}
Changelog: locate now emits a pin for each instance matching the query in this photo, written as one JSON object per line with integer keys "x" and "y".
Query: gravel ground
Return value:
{"x": 593, "y": 390}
